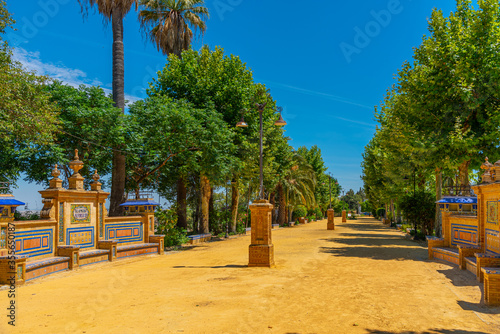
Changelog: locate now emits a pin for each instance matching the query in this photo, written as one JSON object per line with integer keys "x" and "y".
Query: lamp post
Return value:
{"x": 330, "y": 225}
{"x": 243, "y": 124}
{"x": 330, "y": 185}
{"x": 261, "y": 250}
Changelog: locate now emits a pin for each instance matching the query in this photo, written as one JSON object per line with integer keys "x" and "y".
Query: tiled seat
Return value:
{"x": 93, "y": 252}
{"x": 45, "y": 262}
{"x": 136, "y": 246}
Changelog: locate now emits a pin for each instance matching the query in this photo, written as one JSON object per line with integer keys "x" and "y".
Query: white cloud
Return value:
{"x": 31, "y": 61}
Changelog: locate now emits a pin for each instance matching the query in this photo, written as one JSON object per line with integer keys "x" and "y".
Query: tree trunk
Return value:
{"x": 181, "y": 203}
{"x": 248, "y": 204}
{"x": 272, "y": 200}
{"x": 118, "y": 170}
{"x": 398, "y": 213}
{"x": 211, "y": 214}
{"x": 463, "y": 173}
{"x": 439, "y": 192}
{"x": 282, "y": 206}
{"x": 235, "y": 199}
{"x": 205, "y": 200}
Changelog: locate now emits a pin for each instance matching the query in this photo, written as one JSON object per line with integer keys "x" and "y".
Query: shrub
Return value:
{"x": 166, "y": 224}
{"x": 300, "y": 211}
{"x": 419, "y": 210}
{"x": 319, "y": 213}
{"x": 380, "y": 213}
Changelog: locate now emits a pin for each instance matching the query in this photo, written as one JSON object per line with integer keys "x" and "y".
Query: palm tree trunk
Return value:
{"x": 181, "y": 203}
{"x": 205, "y": 201}
{"x": 235, "y": 199}
{"x": 282, "y": 206}
{"x": 118, "y": 170}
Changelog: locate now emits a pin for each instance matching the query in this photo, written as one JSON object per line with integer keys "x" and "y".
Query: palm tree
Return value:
{"x": 115, "y": 11}
{"x": 167, "y": 23}
{"x": 296, "y": 187}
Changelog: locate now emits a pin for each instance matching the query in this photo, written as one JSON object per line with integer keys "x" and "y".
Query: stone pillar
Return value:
{"x": 344, "y": 216}
{"x": 261, "y": 250}
{"x": 331, "y": 216}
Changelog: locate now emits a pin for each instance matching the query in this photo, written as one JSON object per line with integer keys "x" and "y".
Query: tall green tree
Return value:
{"x": 26, "y": 114}
{"x": 167, "y": 24}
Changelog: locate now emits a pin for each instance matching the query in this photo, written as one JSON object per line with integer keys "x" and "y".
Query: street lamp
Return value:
{"x": 243, "y": 124}
{"x": 330, "y": 185}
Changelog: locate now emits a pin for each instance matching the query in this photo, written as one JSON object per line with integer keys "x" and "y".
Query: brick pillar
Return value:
{"x": 331, "y": 224}
{"x": 344, "y": 216}
{"x": 261, "y": 250}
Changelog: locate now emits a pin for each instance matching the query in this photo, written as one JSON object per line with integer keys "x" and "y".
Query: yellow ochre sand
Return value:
{"x": 361, "y": 278}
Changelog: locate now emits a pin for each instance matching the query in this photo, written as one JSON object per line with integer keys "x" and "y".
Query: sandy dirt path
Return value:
{"x": 361, "y": 278}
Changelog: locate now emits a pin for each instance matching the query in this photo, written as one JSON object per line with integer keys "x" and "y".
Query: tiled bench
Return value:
{"x": 471, "y": 264}
{"x": 93, "y": 256}
{"x": 276, "y": 226}
{"x": 137, "y": 249}
{"x": 197, "y": 238}
{"x": 491, "y": 285}
{"x": 484, "y": 260}
{"x": 447, "y": 254}
{"x": 46, "y": 266}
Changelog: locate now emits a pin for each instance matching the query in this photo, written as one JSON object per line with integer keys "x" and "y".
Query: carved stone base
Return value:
{"x": 331, "y": 224}
{"x": 261, "y": 256}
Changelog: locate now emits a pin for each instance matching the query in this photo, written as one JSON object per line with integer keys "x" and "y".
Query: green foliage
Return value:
{"x": 318, "y": 213}
{"x": 164, "y": 129}
{"x": 442, "y": 113}
{"x": 300, "y": 211}
{"x": 89, "y": 122}
{"x": 380, "y": 213}
{"x": 26, "y": 115}
{"x": 419, "y": 209}
{"x": 17, "y": 216}
{"x": 366, "y": 206}
{"x": 166, "y": 224}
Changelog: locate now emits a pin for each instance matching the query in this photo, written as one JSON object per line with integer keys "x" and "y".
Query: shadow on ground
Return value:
{"x": 377, "y": 253}
{"x": 213, "y": 267}
{"x": 459, "y": 277}
{"x": 430, "y": 331}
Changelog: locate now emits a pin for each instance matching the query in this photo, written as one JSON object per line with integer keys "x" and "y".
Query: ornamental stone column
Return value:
{"x": 261, "y": 250}
{"x": 331, "y": 215}
{"x": 344, "y": 216}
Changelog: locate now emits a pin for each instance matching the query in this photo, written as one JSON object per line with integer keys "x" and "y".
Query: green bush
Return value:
{"x": 419, "y": 209}
{"x": 319, "y": 213}
{"x": 300, "y": 211}
{"x": 167, "y": 221}
{"x": 380, "y": 213}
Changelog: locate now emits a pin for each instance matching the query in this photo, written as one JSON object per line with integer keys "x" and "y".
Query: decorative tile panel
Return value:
{"x": 101, "y": 221}
{"x": 61, "y": 222}
{"x": 124, "y": 232}
{"x": 464, "y": 235}
{"x": 493, "y": 241}
{"x": 3, "y": 237}
{"x": 80, "y": 213}
{"x": 492, "y": 211}
{"x": 34, "y": 243}
{"x": 80, "y": 236}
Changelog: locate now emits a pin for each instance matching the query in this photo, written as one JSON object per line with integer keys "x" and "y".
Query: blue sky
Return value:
{"x": 327, "y": 64}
